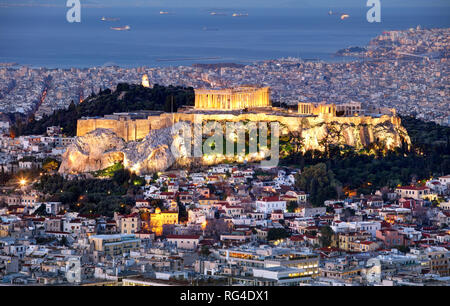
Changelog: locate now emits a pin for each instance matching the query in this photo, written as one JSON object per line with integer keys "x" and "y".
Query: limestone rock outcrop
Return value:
{"x": 153, "y": 153}
{"x": 102, "y": 148}
{"x": 358, "y": 134}
{"x": 97, "y": 150}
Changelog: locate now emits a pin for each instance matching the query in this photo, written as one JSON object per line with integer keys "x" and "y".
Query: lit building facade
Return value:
{"x": 145, "y": 81}
{"x": 306, "y": 265}
{"x": 345, "y": 109}
{"x": 232, "y": 99}
{"x": 311, "y": 109}
{"x": 158, "y": 219}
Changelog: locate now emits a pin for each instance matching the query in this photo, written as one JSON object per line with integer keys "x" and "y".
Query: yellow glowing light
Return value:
{"x": 145, "y": 81}
{"x": 204, "y": 224}
{"x": 136, "y": 168}
{"x": 23, "y": 182}
{"x": 72, "y": 159}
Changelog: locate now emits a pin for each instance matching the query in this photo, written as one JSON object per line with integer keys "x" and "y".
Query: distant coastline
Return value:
{"x": 9, "y": 64}
{"x": 193, "y": 36}
{"x": 186, "y": 59}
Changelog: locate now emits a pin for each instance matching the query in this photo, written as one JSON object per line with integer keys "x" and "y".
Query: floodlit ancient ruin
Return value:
{"x": 147, "y": 136}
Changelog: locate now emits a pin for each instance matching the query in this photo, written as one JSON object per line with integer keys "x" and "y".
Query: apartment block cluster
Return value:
{"x": 414, "y": 42}
{"x": 231, "y": 225}
{"x": 406, "y": 70}
{"x": 41, "y": 90}
{"x": 28, "y": 152}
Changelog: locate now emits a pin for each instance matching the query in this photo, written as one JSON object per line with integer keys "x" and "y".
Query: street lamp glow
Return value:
{"x": 23, "y": 182}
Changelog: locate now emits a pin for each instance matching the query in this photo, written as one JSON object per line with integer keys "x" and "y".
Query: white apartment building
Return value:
{"x": 268, "y": 204}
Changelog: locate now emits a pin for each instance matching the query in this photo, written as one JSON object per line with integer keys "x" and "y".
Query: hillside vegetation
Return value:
{"x": 125, "y": 98}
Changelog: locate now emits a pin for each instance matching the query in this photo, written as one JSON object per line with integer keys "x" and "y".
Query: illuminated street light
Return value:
{"x": 204, "y": 225}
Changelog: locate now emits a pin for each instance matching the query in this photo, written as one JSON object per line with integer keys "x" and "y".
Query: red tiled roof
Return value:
{"x": 367, "y": 242}
{"x": 296, "y": 238}
{"x": 167, "y": 193}
{"x": 133, "y": 215}
{"x": 271, "y": 199}
{"x": 412, "y": 188}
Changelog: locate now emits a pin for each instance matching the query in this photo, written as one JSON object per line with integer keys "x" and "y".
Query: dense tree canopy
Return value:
{"x": 277, "y": 233}
{"x": 326, "y": 236}
{"x": 92, "y": 196}
{"x": 319, "y": 182}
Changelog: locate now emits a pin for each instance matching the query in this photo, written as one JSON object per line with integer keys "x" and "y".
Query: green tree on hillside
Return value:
{"x": 319, "y": 183}
{"x": 277, "y": 233}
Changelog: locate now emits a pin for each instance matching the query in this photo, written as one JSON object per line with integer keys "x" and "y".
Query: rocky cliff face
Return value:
{"x": 152, "y": 154}
{"x": 358, "y": 134}
{"x": 95, "y": 151}
{"x": 102, "y": 148}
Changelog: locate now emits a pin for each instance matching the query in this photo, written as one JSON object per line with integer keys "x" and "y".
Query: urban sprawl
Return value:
{"x": 227, "y": 224}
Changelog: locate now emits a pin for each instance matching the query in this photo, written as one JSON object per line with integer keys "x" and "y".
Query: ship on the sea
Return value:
{"x": 210, "y": 29}
{"x": 163, "y": 12}
{"x": 125, "y": 28}
{"x": 109, "y": 19}
{"x": 217, "y": 14}
{"x": 343, "y": 16}
{"x": 240, "y": 15}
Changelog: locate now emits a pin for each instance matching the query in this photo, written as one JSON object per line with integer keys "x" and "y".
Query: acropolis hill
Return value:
{"x": 357, "y": 127}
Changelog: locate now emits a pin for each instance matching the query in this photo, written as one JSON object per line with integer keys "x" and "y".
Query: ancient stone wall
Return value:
{"x": 129, "y": 130}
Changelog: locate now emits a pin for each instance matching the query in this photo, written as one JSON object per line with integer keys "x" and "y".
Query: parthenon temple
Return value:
{"x": 232, "y": 99}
